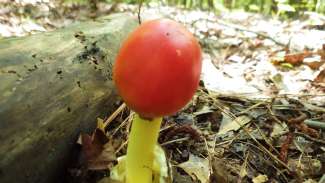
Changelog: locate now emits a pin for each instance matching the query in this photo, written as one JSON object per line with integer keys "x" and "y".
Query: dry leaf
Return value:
{"x": 277, "y": 79}
{"x": 277, "y": 60}
{"x": 279, "y": 129}
{"x": 321, "y": 52}
{"x": 296, "y": 58}
{"x": 100, "y": 124}
{"x": 197, "y": 168}
{"x": 315, "y": 65}
{"x": 306, "y": 166}
{"x": 260, "y": 179}
{"x": 98, "y": 150}
{"x": 320, "y": 77}
{"x": 221, "y": 171}
{"x": 311, "y": 181}
{"x": 227, "y": 125}
{"x": 243, "y": 172}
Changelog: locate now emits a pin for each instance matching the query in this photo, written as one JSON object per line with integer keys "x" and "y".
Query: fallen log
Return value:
{"x": 52, "y": 86}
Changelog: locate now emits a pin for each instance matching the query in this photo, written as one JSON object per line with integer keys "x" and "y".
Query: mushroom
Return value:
{"x": 157, "y": 71}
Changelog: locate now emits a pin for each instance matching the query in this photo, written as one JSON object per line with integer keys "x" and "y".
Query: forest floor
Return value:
{"x": 259, "y": 114}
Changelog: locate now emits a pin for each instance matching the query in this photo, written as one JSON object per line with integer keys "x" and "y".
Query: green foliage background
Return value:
{"x": 283, "y": 8}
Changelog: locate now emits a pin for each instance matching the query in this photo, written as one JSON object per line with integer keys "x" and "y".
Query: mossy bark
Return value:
{"x": 52, "y": 86}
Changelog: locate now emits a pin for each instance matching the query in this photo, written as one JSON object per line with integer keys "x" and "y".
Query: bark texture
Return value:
{"x": 52, "y": 86}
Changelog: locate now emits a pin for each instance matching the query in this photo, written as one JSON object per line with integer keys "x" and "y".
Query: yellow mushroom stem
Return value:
{"x": 140, "y": 153}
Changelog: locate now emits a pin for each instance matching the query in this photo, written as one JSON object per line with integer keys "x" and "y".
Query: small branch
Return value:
{"x": 237, "y": 27}
{"x": 139, "y": 11}
{"x": 174, "y": 141}
{"x": 315, "y": 124}
{"x": 299, "y": 119}
{"x": 247, "y": 131}
{"x": 115, "y": 113}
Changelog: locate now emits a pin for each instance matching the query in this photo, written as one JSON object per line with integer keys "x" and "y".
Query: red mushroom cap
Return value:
{"x": 158, "y": 67}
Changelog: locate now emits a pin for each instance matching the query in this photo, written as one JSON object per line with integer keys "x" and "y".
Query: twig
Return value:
{"x": 315, "y": 124}
{"x": 176, "y": 140}
{"x": 273, "y": 116}
{"x": 244, "y": 166}
{"x": 209, "y": 156}
{"x": 285, "y": 95}
{"x": 115, "y": 113}
{"x": 298, "y": 123}
{"x": 139, "y": 11}
{"x": 121, "y": 146}
{"x": 298, "y": 120}
{"x": 269, "y": 163}
{"x": 231, "y": 115}
{"x": 240, "y": 28}
{"x": 237, "y": 27}
{"x": 251, "y": 107}
{"x": 122, "y": 124}
{"x": 266, "y": 139}
{"x": 227, "y": 142}
{"x": 167, "y": 127}
{"x": 186, "y": 129}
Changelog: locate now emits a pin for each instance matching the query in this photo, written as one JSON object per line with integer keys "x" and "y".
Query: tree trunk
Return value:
{"x": 52, "y": 86}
